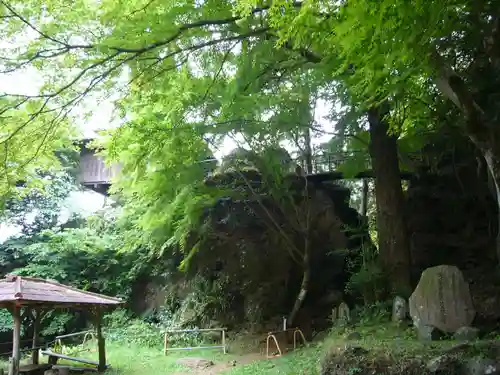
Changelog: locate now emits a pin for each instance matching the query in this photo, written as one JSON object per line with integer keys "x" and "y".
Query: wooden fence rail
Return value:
{"x": 174, "y": 331}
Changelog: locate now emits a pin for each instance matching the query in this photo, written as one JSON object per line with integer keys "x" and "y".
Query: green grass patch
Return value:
{"x": 303, "y": 361}
{"x": 387, "y": 339}
{"x": 382, "y": 341}
{"x": 133, "y": 360}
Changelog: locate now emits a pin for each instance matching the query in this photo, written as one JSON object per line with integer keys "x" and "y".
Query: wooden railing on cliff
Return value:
{"x": 95, "y": 174}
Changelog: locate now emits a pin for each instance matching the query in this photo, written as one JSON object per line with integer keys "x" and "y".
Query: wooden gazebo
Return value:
{"x": 38, "y": 296}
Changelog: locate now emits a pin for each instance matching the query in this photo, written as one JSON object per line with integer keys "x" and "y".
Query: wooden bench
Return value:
{"x": 54, "y": 357}
{"x": 34, "y": 369}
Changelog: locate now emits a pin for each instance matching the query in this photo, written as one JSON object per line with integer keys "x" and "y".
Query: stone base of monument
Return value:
{"x": 430, "y": 333}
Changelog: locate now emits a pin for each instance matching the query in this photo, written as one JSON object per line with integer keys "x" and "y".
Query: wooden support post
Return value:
{"x": 224, "y": 340}
{"x": 165, "y": 343}
{"x": 364, "y": 198}
{"x": 37, "y": 317}
{"x": 16, "y": 337}
{"x": 101, "y": 345}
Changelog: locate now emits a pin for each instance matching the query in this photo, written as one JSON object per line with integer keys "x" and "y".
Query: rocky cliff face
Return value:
{"x": 453, "y": 219}
{"x": 248, "y": 267}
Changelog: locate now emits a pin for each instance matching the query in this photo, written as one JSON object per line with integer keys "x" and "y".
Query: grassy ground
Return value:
{"x": 130, "y": 359}
{"x": 379, "y": 339}
{"x": 305, "y": 361}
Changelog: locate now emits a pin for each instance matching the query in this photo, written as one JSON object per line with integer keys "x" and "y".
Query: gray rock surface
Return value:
{"x": 443, "y": 364}
{"x": 442, "y": 299}
{"x": 466, "y": 334}
{"x": 399, "y": 309}
{"x": 353, "y": 336}
{"x": 481, "y": 366}
{"x": 343, "y": 313}
{"x": 429, "y": 333}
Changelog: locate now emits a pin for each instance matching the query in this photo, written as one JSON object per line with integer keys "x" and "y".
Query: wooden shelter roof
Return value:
{"x": 33, "y": 291}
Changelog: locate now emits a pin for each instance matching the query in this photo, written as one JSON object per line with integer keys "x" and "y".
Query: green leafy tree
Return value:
{"x": 390, "y": 49}
{"x": 88, "y": 258}
{"x": 30, "y": 136}
{"x": 225, "y": 78}
{"x": 40, "y": 208}
{"x": 33, "y": 211}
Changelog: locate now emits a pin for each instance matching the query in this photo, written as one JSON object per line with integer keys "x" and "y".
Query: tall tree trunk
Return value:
{"x": 394, "y": 248}
{"x": 308, "y": 151}
{"x": 364, "y": 199}
{"x": 304, "y": 286}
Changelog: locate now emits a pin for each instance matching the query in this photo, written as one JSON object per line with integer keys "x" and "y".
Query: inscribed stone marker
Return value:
{"x": 442, "y": 299}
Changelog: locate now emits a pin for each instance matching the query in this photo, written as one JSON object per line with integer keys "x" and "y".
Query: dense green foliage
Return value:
{"x": 31, "y": 133}
{"x": 216, "y": 240}
{"x": 212, "y": 69}
{"x": 88, "y": 258}
{"x": 205, "y": 73}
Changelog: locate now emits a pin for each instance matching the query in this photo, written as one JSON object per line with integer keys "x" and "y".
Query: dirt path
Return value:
{"x": 221, "y": 366}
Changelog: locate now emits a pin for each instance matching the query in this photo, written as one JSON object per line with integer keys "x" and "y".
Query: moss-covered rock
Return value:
{"x": 357, "y": 360}
{"x": 247, "y": 267}
{"x": 464, "y": 359}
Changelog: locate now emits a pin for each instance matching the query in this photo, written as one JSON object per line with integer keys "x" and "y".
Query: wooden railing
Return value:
{"x": 331, "y": 162}
{"x": 93, "y": 170}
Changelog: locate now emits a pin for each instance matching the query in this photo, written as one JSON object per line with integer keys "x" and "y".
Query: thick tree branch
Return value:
{"x": 27, "y": 23}
{"x": 142, "y": 8}
{"x": 138, "y": 50}
{"x": 453, "y": 87}
{"x": 104, "y": 67}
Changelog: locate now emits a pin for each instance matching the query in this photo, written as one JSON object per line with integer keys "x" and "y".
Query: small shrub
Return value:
{"x": 369, "y": 282}
{"x": 136, "y": 332}
{"x": 6, "y": 321}
{"x": 121, "y": 327}
{"x": 376, "y": 313}
{"x": 117, "y": 319}
{"x": 56, "y": 323}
